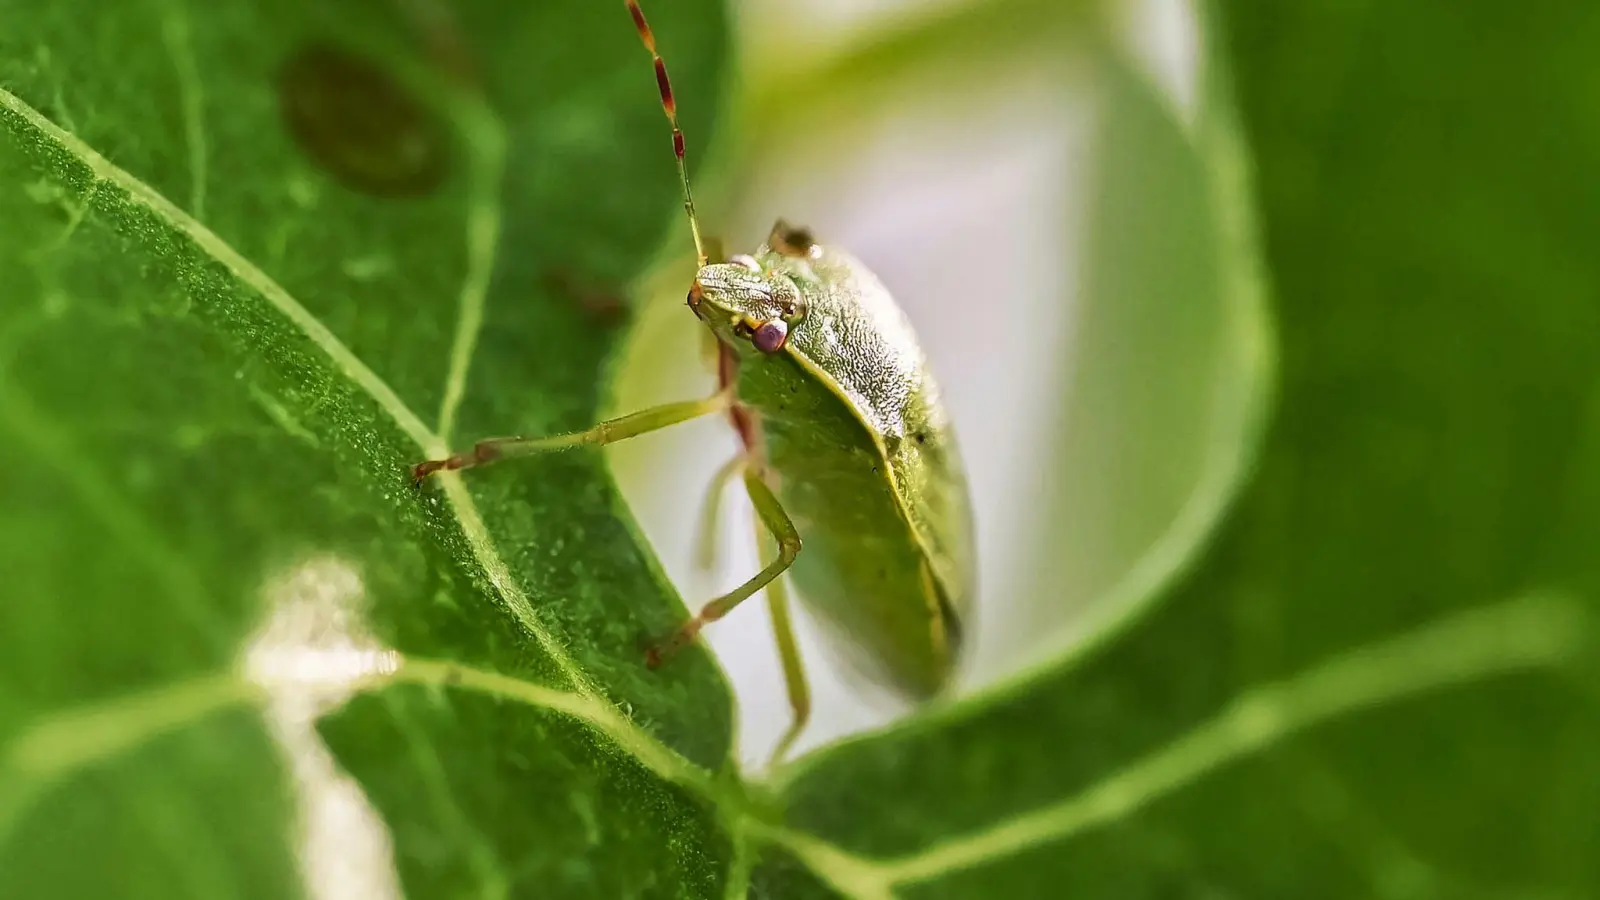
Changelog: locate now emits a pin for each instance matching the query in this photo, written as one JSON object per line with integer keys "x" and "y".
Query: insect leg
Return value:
{"x": 705, "y": 540}
{"x": 777, "y": 521}
{"x": 608, "y": 432}
{"x": 794, "y": 670}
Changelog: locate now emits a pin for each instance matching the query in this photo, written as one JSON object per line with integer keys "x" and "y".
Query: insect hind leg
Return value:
{"x": 794, "y": 670}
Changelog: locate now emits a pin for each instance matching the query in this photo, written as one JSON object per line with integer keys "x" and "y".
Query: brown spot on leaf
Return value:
{"x": 359, "y": 124}
{"x": 606, "y": 308}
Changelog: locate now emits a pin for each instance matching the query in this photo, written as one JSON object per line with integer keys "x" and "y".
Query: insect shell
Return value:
{"x": 850, "y": 424}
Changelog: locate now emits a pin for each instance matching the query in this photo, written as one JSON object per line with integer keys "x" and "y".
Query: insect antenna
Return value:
{"x": 669, "y": 106}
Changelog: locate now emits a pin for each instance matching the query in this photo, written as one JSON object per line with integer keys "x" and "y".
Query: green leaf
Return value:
{"x": 255, "y": 259}
{"x": 1376, "y": 678}
{"x": 1358, "y": 662}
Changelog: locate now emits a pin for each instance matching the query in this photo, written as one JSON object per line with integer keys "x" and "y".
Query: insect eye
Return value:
{"x": 771, "y": 336}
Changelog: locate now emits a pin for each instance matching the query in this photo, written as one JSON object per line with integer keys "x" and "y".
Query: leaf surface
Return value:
{"x": 257, "y": 259}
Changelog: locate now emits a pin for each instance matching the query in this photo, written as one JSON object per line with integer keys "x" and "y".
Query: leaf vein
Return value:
{"x": 593, "y": 711}
{"x": 586, "y": 702}
{"x": 1528, "y": 632}
{"x": 176, "y": 32}
{"x": 75, "y": 217}
{"x": 69, "y": 740}
{"x": 344, "y": 359}
{"x": 485, "y": 136}
{"x": 1533, "y": 631}
{"x": 738, "y": 883}
{"x": 853, "y": 876}
{"x": 248, "y": 273}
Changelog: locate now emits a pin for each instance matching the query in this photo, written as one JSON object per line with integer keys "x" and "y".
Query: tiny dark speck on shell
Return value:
{"x": 359, "y": 124}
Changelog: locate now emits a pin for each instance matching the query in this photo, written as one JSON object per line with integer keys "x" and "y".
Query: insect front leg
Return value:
{"x": 771, "y": 513}
{"x": 607, "y": 432}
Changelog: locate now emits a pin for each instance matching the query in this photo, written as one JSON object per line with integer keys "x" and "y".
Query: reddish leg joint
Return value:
{"x": 482, "y": 452}
{"x": 663, "y": 651}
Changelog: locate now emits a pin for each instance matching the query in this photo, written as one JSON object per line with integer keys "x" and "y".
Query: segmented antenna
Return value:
{"x": 671, "y": 109}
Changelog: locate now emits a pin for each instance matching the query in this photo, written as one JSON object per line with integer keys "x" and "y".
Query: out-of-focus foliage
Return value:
{"x": 1372, "y": 682}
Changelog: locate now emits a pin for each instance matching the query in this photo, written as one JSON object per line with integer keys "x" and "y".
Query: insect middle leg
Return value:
{"x": 705, "y": 536}
{"x": 607, "y": 432}
{"x": 771, "y": 514}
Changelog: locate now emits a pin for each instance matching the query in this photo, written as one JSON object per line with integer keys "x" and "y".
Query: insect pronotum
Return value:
{"x": 846, "y": 452}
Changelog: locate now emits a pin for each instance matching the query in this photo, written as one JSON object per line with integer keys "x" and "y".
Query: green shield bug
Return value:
{"x": 846, "y": 447}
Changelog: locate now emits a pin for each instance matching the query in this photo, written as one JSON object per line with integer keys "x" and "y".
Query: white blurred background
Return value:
{"x": 965, "y": 153}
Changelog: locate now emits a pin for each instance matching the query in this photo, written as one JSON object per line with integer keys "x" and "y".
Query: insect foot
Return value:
{"x": 421, "y": 471}
{"x": 483, "y": 452}
{"x": 660, "y": 653}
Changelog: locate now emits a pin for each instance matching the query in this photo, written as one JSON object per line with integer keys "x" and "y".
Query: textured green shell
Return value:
{"x": 867, "y": 463}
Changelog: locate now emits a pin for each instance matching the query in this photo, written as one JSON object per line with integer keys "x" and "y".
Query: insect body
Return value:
{"x": 859, "y": 446}
{"x": 848, "y": 453}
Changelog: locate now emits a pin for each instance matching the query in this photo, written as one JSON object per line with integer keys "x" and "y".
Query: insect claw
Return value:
{"x": 661, "y": 651}
{"x": 421, "y": 471}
